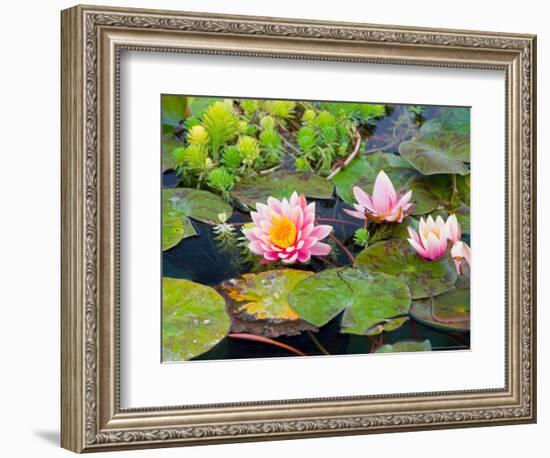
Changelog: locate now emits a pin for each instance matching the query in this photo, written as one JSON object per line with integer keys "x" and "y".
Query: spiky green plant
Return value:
{"x": 283, "y": 109}
{"x": 221, "y": 180}
{"x": 271, "y": 144}
{"x": 221, "y": 124}
{"x": 231, "y": 157}
{"x": 361, "y": 237}
{"x": 197, "y": 135}
{"x": 249, "y": 150}
{"x": 249, "y": 106}
{"x": 267, "y": 123}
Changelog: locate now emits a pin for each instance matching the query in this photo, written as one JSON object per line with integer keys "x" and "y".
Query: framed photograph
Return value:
{"x": 278, "y": 228}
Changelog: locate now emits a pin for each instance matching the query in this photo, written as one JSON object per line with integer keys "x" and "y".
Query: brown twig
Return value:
{"x": 255, "y": 338}
{"x": 339, "y": 166}
{"x": 341, "y": 245}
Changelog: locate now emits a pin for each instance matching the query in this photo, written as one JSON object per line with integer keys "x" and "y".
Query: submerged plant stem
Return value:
{"x": 317, "y": 343}
{"x": 255, "y": 338}
{"x": 344, "y": 248}
{"x": 341, "y": 221}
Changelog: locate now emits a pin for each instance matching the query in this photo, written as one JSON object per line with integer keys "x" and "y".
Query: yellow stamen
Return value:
{"x": 283, "y": 232}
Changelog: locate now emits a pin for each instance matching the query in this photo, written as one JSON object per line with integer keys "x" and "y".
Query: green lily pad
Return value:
{"x": 398, "y": 257}
{"x": 258, "y": 303}
{"x": 431, "y": 158}
{"x": 169, "y": 144}
{"x": 184, "y": 203}
{"x": 193, "y": 319}
{"x": 174, "y": 109}
{"x": 363, "y": 171}
{"x": 449, "y": 311}
{"x": 198, "y": 205}
{"x": 443, "y": 145}
{"x": 405, "y": 346}
{"x": 371, "y": 302}
{"x": 172, "y": 231}
{"x": 281, "y": 184}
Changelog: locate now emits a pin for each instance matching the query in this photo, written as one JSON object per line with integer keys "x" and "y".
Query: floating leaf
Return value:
{"x": 450, "y": 311}
{"x": 443, "y": 145}
{"x": 174, "y": 109}
{"x": 397, "y": 257}
{"x": 258, "y": 303}
{"x": 193, "y": 319}
{"x": 372, "y": 302}
{"x": 169, "y": 144}
{"x": 281, "y": 184}
{"x": 199, "y": 205}
{"x": 363, "y": 171}
{"x": 172, "y": 231}
{"x": 430, "y": 159}
{"x": 405, "y": 346}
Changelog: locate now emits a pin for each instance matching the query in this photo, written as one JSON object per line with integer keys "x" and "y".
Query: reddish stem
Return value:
{"x": 254, "y": 338}
{"x": 341, "y": 245}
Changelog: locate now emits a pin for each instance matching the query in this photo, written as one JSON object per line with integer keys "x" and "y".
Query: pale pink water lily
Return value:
{"x": 285, "y": 230}
{"x": 384, "y": 205}
{"x": 430, "y": 242}
{"x": 454, "y": 232}
{"x": 461, "y": 255}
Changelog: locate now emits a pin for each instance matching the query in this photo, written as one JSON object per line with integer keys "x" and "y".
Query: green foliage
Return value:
{"x": 231, "y": 157}
{"x": 221, "y": 124}
{"x": 283, "y": 109}
{"x": 268, "y": 123}
{"x": 361, "y": 237}
{"x": 197, "y": 135}
{"x": 362, "y": 112}
{"x": 249, "y": 150}
{"x": 271, "y": 144}
{"x": 249, "y": 106}
{"x": 221, "y": 180}
{"x": 322, "y": 139}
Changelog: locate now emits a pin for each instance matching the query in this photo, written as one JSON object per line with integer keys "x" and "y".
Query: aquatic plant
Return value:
{"x": 430, "y": 242}
{"x": 461, "y": 254}
{"x": 285, "y": 230}
{"x": 384, "y": 205}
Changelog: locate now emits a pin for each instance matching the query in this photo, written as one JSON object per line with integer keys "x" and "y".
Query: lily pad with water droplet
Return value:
{"x": 258, "y": 303}
{"x": 405, "y": 346}
{"x": 371, "y": 302}
{"x": 281, "y": 184}
{"x": 193, "y": 319}
{"x": 397, "y": 257}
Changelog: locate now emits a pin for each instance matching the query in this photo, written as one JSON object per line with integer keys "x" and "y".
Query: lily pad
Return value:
{"x": 174, "y": 108}
{"x": 398, "y": 257}
{"x": 431, "y": 158}
{"x": 169, "y": 144}
{"x": 443, "y": 145}
{"x": 281, "y": 184}
{"x": 371, "y": 302}
{"x": 405, "y": 346}
{"x": 363, "y": 170}
{"x": 258, "y": 303}
{"x": 449, "y": 311}
{"x": 172, "y": 231}
{"x": 193, "y": 319}
{"x": 198, "y": 205}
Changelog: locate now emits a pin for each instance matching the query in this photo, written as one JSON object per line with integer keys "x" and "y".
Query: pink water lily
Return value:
{"x": 431, "y": 240}
{"x": 461, "y": 256}
{"x": 453, "y": 229}
{"x": 384, "y": 205}
{"x": 285, "y": 230}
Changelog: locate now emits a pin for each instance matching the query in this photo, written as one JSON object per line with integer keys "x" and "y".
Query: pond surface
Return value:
{"x": 210, "y": 259}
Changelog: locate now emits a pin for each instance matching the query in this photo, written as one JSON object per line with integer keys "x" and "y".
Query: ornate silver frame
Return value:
{"x": 92, "y": 40}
